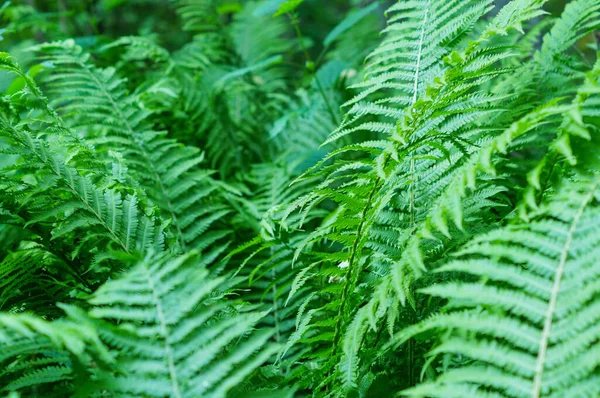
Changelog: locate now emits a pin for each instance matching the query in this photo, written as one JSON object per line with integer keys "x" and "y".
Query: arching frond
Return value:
{"x": 533, "y": 316}
{"x": 167, "y": 170}
{"x": 52, "y": 357}
{"x": 390, "y": 194}
{"x": 174, "y": 334}
{"x": 75, "y": 217}
{"x": 107, "y": 216}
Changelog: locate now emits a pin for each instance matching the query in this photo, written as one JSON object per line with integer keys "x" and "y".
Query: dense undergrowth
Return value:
{"x": 208, "y": 198}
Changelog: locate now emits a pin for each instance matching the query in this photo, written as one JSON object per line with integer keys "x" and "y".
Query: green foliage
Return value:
{"x": 212, "y": 198}
{"x": 175, "y": 330}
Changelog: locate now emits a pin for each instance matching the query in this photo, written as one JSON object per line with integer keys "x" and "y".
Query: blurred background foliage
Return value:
{"x": 92, "y": 23}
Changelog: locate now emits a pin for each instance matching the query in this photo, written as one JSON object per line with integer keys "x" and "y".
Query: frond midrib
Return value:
{"x": 142, "y": 148}
{"x": 162, "y": 322}
{"x": 545, "y": 336}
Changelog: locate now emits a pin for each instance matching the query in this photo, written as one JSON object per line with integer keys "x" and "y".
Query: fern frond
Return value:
{"x": 533, "y": 332}
{"x": 174, "y": 335}
{"x": 448, "y": 120}
{"x": 578, "y": 19}
{"x": 167, "y": 170}
{"x": 419, "y": 35}
{"x": 38, "y": 355}
{"x": 198, "y": 15}
{"x": 530, "y": 285}
{"x": 28, "y": 280}
{"x": 447, "y": 225}
{"x": 69, "y": 202}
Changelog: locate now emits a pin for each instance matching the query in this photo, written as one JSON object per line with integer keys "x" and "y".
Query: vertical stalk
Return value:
{"x": 411, "y": 348}
{"x": 275, "y": 306}
{"x": 311, "y": 67}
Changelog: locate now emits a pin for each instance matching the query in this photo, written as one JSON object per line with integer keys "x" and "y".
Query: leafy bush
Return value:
{"x": 213, "y": 198}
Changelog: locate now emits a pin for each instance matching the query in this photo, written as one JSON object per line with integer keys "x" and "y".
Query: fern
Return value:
{"x": 174, "y": 331}
{"x": 534, "y": 342}
{"x": 28, "y": 280}
{"x": 217, "y": 198}
{"x": 177, "y": 186}
{"x": 37, "y": 353}
{"x": 168, "y": 341}
{"x": 87, "y": 198}
{"x": 449, "y": 105}
{"x": 527, "y": 306}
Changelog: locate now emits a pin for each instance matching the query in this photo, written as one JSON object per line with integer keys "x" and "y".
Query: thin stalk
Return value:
{"x": 411, "y": 343}
{"x": 311, "y": 67}
{"x": 275, "y": 306}
{"x": 349, "y": 277}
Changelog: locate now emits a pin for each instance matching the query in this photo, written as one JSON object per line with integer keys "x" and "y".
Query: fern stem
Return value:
{"x": 420, "y": 53}
{"x": 414, "y": 100}
{"x": 163, "y": 331}
{"x": 311, "y": 67}
{"x": 275, "y": 306}
{"x": 411, "y": 349}
{"x": 541, "y": 358}
{"x": 352, "y": 259}
{"x": 334, "y": 118}
{"x": 294, "y": 21}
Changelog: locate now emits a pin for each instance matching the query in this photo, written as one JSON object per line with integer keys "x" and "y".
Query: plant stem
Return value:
{"x": 311, "y": 67}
